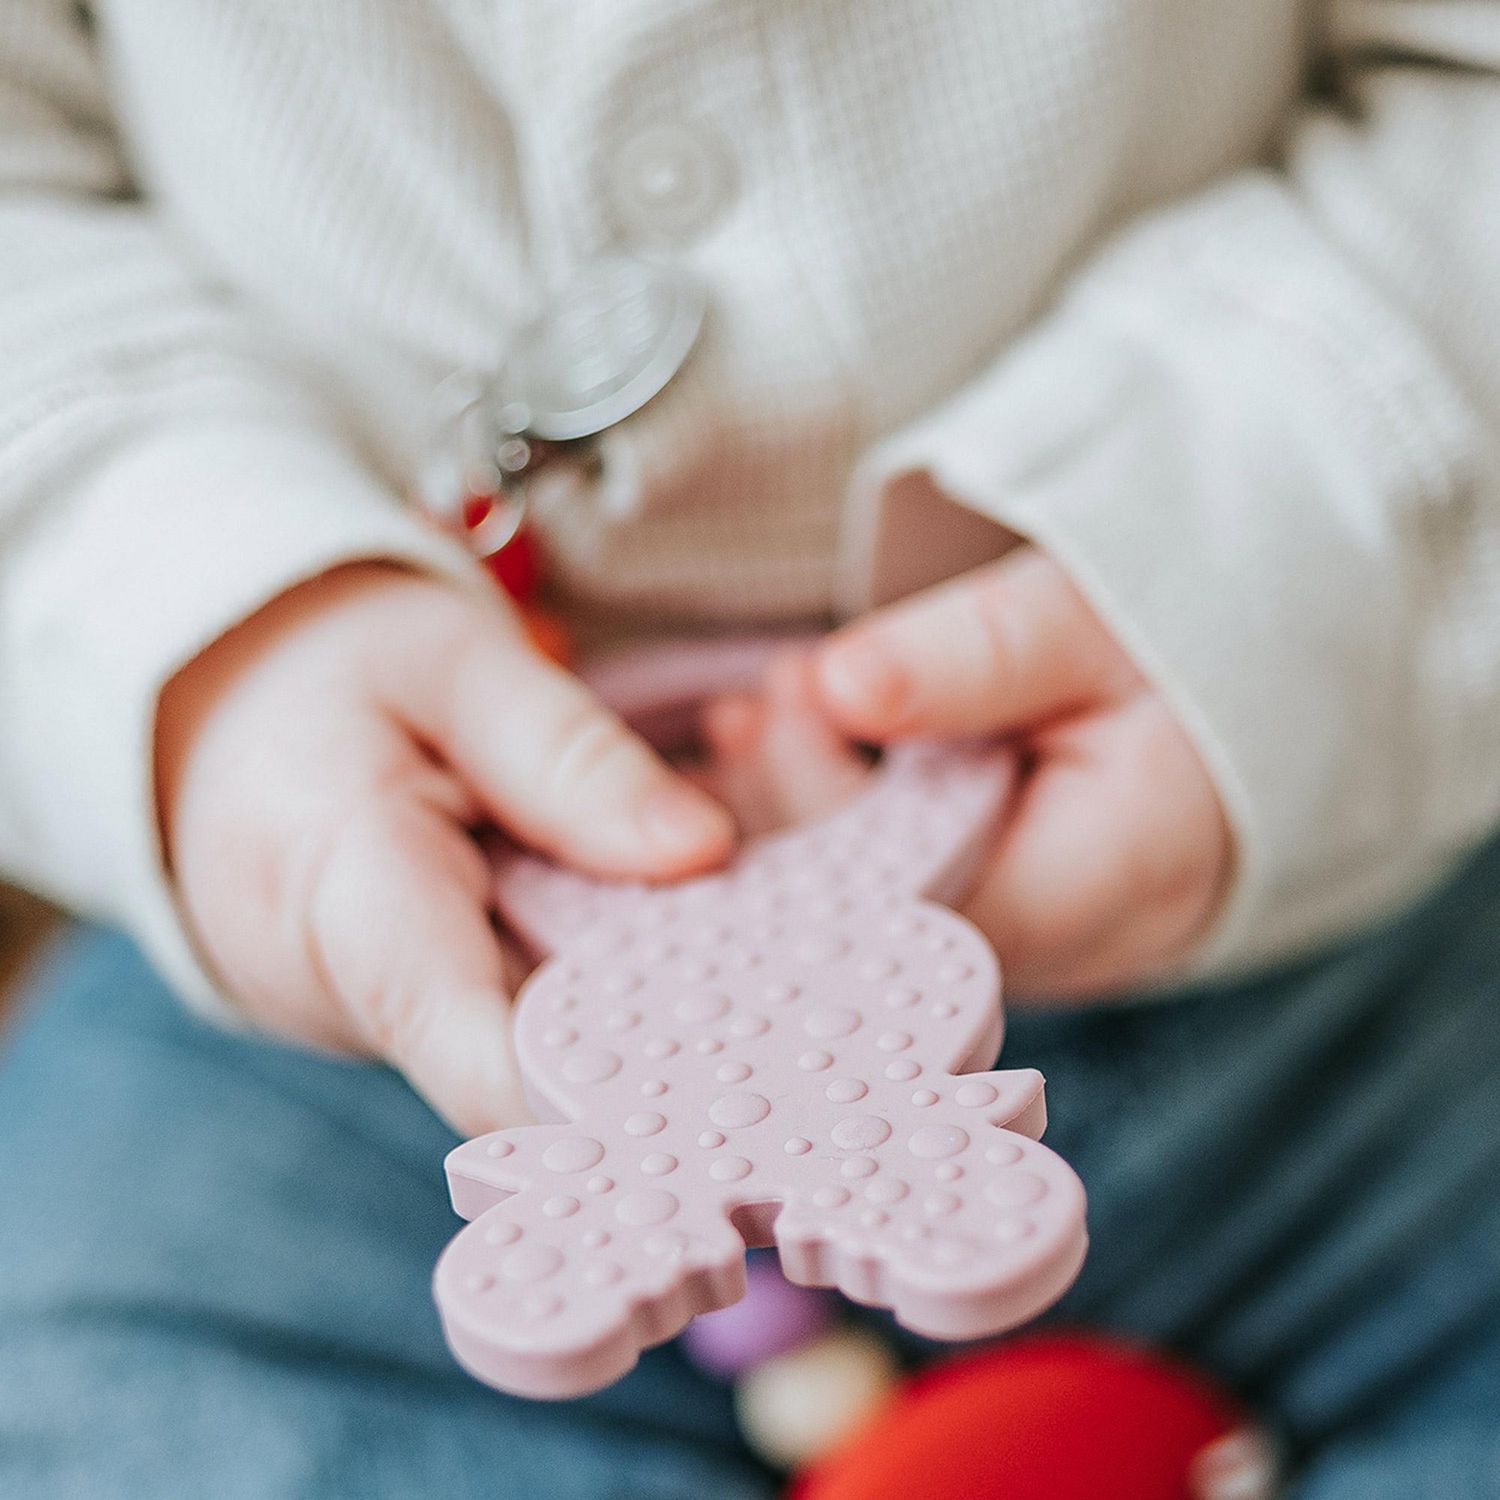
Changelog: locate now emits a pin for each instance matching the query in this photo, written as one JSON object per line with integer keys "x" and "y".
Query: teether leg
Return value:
{"x": 951, "y": 1244}
{"x": 558, "y": 1298}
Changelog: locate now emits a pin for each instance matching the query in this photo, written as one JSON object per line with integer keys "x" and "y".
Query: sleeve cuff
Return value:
{"x": 152, "y": 557}
{"x": 1232, "y": 445}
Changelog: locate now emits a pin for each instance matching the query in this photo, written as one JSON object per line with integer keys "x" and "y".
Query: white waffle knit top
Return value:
{"x": 1202, "y": 297}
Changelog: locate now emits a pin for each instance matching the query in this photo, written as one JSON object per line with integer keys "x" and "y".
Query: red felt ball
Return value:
{"x": 1050, "y": 1417}
{"x": 475, "y": 509}
{"x": 548, "y": 634}
{"x": 517, "y": 566}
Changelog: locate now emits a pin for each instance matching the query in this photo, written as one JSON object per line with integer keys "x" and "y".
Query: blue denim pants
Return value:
{"x": 215, "y": 1252}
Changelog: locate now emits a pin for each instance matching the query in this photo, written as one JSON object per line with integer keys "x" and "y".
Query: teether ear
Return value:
{"x": 547, "y": 908}
{"x": 919, "y": 828}
{"x": 763, "y": 1055}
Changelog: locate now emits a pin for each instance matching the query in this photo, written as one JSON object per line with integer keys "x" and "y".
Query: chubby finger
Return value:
{"x": 400, "y": 932}
{"x": 1002, "y": 649}
{"x": 732, "y": 725}
{"x": 733, "y": 768}
{"x": 812, "y": 768}
{"x": 775, "y": 758}
{"x": 1112, "y": 863}
{"x": 555, "y": 767}
{"x": 1141, "y": 948}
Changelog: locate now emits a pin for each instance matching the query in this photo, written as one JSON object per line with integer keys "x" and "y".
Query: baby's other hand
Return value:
{"x": 772, "y": 755}
{"x": 319, "y": 769}
{"x": 1116, "y": 854}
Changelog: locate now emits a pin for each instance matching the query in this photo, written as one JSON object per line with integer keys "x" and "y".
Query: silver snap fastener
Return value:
{"x": 670, "y": 181}
{"x": 608, "y": 342}
{"x": 604, "y": 344}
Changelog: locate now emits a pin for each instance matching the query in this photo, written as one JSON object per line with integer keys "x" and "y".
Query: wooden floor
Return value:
{"x": 24, "y": 922}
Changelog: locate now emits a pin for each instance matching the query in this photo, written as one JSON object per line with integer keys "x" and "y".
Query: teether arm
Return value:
{"x": 490, "y": 1168}
{"x": 1020, "y": 1099}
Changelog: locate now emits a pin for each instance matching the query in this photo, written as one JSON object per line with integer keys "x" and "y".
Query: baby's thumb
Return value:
{"x": 425, "y": 985}
{"x": 995, "y": 651}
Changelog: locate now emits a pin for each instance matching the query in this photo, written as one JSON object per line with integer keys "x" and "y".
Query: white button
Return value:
{"x": 604, "y": 346}
{"x": 670, "y": 181}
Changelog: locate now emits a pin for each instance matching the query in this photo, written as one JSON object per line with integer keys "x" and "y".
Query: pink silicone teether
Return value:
{"x": 765, "y": 1055}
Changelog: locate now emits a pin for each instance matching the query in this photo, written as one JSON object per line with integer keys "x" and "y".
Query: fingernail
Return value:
{"x": 679, "y": 822}
{"x": 862, "y": 678}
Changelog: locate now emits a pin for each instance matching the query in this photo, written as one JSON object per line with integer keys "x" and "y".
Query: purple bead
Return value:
{"x": 773, "y": 1316}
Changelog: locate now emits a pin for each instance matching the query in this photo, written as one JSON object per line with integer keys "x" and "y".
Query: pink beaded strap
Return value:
{"x": 773, "y": 1054}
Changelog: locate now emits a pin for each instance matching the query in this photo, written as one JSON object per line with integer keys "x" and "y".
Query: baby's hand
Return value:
{"x": 1117, "y": 853}
{"x": 318, "y": 770}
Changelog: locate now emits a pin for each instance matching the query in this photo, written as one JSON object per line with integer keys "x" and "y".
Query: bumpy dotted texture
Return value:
{"x": 766, "y": 1055}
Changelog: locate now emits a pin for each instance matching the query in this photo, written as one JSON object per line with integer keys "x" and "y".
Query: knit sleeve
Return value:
{"x": 1262, "y": 430}
{"x": 162, "y": 474}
